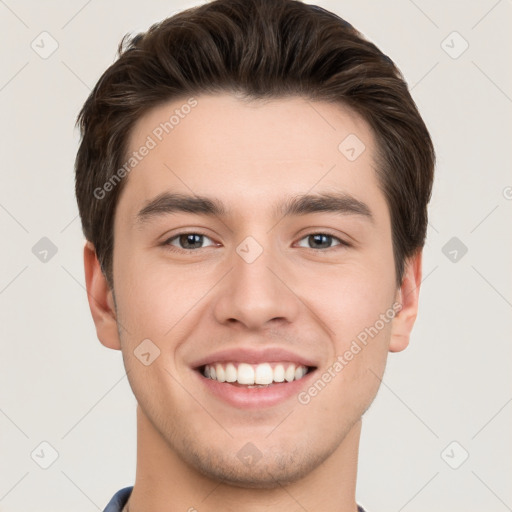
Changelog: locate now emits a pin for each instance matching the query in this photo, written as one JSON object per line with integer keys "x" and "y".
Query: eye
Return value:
{"x": 187, "y": 241}
{"x": 322, "y": 241}
{"x": 192, "y": 241}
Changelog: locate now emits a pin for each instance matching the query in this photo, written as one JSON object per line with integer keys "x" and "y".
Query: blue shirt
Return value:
{"x": 120, "y": 498}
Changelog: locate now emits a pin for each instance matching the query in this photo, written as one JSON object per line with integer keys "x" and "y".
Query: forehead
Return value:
{"x": 249, "y": 154}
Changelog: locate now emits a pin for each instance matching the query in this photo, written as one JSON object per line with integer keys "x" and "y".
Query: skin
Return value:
{"x": 313, "y": 301}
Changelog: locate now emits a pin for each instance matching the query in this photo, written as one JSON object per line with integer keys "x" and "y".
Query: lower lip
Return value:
{"x": 247, "y": 398}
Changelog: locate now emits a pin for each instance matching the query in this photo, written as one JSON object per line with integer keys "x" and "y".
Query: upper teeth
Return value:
{"x": 263, "y": 373}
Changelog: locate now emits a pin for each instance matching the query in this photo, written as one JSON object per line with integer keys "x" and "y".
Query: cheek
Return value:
{"x": 350, "y": 299}
{"x": 155, "y": 299}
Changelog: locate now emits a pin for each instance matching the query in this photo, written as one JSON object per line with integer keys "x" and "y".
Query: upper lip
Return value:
{"x": 254, "y": 356}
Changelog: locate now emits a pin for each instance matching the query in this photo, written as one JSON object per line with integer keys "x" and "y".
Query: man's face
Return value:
{"x": 251, "y": 285}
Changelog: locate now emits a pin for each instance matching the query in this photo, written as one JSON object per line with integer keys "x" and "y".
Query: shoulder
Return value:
{"x": 119, "y": 500}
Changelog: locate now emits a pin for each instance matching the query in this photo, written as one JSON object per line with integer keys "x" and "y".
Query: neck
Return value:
{"x": 164, "y": 482}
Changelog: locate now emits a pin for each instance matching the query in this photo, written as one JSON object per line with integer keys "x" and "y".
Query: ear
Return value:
{"x": 407, "y": 295}
{"x": 101, "y": 301}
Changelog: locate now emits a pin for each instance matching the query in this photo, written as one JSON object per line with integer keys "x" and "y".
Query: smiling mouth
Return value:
{"x": 254, "y": 375}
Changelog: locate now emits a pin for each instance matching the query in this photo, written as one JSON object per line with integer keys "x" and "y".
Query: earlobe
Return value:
{"x": 408, "y": 297}
{"x": 101, "y": 301}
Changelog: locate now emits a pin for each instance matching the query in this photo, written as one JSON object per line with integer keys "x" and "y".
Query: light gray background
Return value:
{"x": 60, "y": 385}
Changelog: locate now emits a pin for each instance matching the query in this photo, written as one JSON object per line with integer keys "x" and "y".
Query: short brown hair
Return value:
{"x": 260, "y": 49}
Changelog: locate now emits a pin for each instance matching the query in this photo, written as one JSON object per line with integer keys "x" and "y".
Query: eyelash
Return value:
{"x": 167, "y": 243}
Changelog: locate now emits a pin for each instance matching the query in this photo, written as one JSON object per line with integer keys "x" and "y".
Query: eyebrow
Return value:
{"x": 338, "y": 203}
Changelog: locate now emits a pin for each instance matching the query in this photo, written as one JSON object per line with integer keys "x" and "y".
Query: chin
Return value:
{"x": 271, "y": 470}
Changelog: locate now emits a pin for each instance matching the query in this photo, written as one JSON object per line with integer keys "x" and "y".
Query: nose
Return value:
{"x": 257, "y": 293}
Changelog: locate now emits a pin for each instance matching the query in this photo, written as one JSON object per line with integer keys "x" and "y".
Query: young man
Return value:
{"x": 253, "y": 181}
